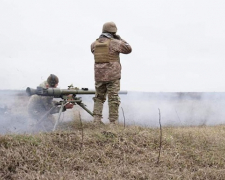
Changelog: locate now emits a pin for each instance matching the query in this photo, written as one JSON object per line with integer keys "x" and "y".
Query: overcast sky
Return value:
{"x": 178, "y": 45}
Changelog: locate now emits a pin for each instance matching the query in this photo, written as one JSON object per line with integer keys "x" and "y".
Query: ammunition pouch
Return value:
{"x": 101, "y": 53}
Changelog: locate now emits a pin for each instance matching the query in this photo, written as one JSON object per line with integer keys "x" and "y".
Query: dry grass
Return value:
{"x": 104, "y": 153}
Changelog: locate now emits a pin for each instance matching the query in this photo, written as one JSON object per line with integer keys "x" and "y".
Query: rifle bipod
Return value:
{"x": 77, "y": 101}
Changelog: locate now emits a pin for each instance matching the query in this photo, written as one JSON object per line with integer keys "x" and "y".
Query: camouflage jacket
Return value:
{"x": 39, "y": 105}
{"x": 112, "y": 70}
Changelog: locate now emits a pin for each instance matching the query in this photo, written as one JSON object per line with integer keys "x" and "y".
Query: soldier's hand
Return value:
{"x": 116, "y": 36}
{"x": 68, "y": 106}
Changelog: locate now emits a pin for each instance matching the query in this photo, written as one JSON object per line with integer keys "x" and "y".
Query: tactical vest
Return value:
{"x": 101, "y": 52}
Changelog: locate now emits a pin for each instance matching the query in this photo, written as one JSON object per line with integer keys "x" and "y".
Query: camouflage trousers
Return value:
{"x": 110, "y": 88}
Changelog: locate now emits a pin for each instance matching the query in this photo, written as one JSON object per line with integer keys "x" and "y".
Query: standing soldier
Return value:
{"x": 106, "y": 50}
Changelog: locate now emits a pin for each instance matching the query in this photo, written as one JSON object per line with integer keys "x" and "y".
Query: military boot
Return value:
{"x": 113, "y": 123}
{"x": 98, "y": 120}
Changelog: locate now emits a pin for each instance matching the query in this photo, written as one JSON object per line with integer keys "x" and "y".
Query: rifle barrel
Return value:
{"x": 57, "y": 92}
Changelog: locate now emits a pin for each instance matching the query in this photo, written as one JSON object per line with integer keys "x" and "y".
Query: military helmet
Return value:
{"x": 109, "y": 27}
{"x": 52, "y": 80}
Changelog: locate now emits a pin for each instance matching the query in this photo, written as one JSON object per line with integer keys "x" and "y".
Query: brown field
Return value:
{"x": 87, "y": 151}
{"x": 91, "y": 152}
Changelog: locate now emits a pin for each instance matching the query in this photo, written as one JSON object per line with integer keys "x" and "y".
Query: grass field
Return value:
{"x": 92, "y": 152}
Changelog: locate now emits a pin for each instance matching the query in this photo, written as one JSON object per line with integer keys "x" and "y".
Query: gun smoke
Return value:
{"x": 137, "y": 108}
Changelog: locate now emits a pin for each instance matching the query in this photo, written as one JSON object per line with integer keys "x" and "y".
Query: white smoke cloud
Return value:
{"x": 176, "y": 109}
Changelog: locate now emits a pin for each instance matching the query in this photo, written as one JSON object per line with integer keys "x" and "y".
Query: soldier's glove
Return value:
{"x": 69, "y": 106}
{"x": 117, "y": 36}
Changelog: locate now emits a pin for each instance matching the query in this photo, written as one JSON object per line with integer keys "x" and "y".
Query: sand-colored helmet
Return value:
{"x": 52, "y": 80}
{"x": 109, "y": 27}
